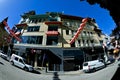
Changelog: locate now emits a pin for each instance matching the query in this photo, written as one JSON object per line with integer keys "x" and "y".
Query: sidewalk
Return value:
{"x": 60, "y": 72}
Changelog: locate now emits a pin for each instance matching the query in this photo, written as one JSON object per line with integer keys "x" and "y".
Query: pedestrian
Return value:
{"x": 46, "y": 67}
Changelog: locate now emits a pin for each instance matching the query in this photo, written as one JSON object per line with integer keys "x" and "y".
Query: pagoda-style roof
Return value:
{"x": 21, "y": 25}
{"x": 38, "y": 16}
{"x": 26, "y": 15}
{"x": 97, "y": 30}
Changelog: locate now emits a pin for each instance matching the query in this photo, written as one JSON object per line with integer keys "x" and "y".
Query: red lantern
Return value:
{"x": 85, "y": 20}
{"x": 82, "y": 25}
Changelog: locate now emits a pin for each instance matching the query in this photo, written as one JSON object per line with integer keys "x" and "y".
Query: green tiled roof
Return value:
{"x": 38, "y": 16}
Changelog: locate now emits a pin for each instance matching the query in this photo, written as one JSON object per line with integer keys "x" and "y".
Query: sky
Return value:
{"x": 14, "y": 8}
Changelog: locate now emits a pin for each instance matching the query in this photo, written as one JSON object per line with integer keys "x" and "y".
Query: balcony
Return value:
{"x": 52, "y": 33}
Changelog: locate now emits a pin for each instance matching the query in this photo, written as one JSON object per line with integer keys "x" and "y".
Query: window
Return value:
{"x": 99, "y": 34}
{"x": 32, "y": 39}
{"x": 73, "y": 44}
{"x": 91, "y": 33}
{"x": 40, "y": 20}
{"x": 20, "y": 60}
{"x": 79, "y": 42}
{"x": 19, "y": 29}
{"x": 87, "y": 41}
{"x": 53, "y": 19}
{"x": 85, "y": 64}
{"x": 92, "y": 41}
{"x": 16, "y": 58}
{"x": 52, "y": 28}
{"x": 52, "y": 40}
{"x": 84, "y": 32}
{"x": 67, "y": 32}
{"x": 33, "y": 28}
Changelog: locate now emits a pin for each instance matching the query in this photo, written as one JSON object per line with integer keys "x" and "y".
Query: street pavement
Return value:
{"x": 9, "y": 72}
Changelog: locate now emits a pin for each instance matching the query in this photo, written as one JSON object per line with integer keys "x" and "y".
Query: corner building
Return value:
{"x": 46, "y": 37}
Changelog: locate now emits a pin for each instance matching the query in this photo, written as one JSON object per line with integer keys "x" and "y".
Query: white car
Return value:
{"x": 19, "y": 62}
{"x": 4, "y": 56}
{"x": 91, "y": 66}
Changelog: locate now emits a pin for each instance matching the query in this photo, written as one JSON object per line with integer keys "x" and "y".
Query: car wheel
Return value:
{"x": 26, "y": 69}
{"x": 94, "y": 70}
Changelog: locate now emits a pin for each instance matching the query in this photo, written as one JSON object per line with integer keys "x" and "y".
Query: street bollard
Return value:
{"x": 55, "y": 77}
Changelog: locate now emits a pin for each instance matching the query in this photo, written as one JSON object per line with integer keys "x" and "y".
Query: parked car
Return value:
{"x": 19, "y": 62}
{"x": 3, "y": 55}
{"x": 110, "y": 61}
{"x": 94, "y": 65}
{"x": 119, "y": 65}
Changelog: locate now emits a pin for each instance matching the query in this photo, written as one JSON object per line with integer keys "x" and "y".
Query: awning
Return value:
{"x": 52, "y": 33}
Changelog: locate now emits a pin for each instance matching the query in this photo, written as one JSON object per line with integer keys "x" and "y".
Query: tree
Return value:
{"x": 116, "y": 33}
{"x": 3, "y": 34}
{"x": 111, "y": 5}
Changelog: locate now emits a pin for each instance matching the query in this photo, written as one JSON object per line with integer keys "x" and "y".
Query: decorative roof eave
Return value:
{"x": 21, "y": 25}
{"x": 97, "y": 30}
{"x": 38, "y": 16}
{"x": 26, "y": 15}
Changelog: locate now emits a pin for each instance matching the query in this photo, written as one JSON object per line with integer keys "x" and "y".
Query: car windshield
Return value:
{"x": 85, "y": 64}
{"x": 21, "y": 60}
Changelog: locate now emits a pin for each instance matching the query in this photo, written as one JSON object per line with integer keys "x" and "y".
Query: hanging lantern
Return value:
{"x": 85, "y": 20}
{"x": 82, "y": 25}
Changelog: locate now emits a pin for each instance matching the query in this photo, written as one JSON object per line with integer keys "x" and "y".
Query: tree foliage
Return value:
{"x": 113, "y": 6}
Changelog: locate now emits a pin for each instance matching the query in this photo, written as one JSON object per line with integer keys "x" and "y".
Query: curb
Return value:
{"x": 60, "y": 72}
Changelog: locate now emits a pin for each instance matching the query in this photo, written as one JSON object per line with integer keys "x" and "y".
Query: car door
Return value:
{"x": 21, "y": 63}
{"x": 102, "y": 63}
{"x": 15, "y": 60}
{"x": 97, "y": 64}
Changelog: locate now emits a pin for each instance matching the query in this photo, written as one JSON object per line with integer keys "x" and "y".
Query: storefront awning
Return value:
{"x": 52, "y": 33}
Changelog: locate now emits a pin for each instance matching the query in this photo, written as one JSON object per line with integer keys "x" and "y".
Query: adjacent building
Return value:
{"x": 4, "y": 35}
{"x": 45, "y": 41}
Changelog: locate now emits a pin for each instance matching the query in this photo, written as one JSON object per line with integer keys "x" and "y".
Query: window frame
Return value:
{"x": 33, "y": 28}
